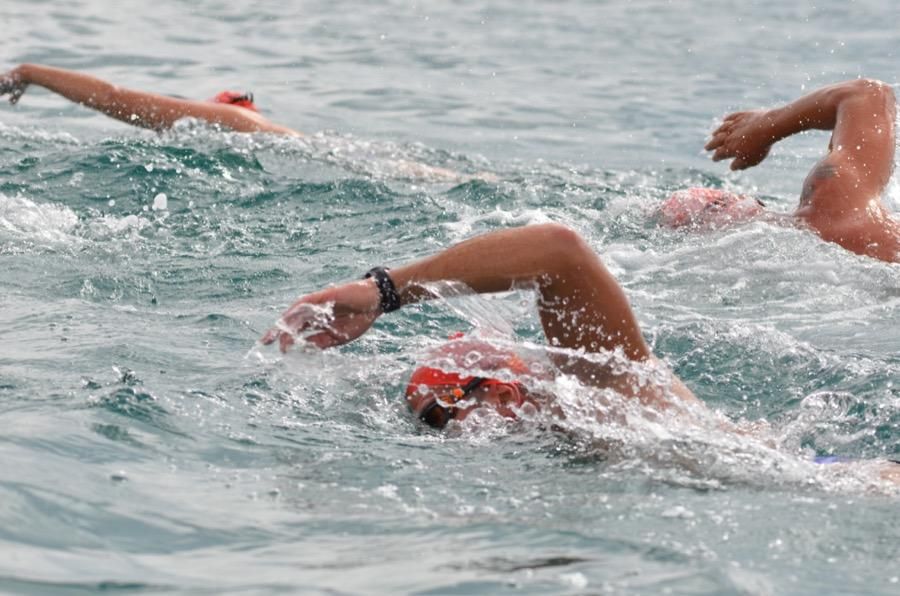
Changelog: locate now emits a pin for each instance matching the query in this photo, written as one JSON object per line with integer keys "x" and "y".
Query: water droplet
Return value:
{"x": 160, "y": 202}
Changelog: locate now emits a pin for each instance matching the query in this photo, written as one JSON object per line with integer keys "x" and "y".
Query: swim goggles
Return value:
{"x": 443, "y": 408}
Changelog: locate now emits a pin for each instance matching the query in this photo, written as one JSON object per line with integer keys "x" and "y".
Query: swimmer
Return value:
{"x": 581, "y": 306}
{"x": 582, "y": 309}
{"x": 841, "y": 198}
{"x": 229, "y": 109}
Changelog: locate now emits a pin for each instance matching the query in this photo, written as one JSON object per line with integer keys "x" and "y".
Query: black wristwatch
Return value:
{"x": 390, "y": 298}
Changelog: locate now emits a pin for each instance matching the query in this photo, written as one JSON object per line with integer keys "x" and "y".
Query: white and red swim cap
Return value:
{"x": 707, "y": 207}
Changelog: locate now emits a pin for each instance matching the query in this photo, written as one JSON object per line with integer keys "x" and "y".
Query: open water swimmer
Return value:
{"x": 582, "y": 309}
{"x": 231, "y": 110}
{"x": 841, "y": 199}
{"x": 701, "y": 399}
{"x": 228, "y": 109}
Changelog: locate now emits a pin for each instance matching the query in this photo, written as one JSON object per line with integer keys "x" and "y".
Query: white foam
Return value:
{"x": 21, "y": 219}
{"x": 25, "y": 224}
{"x": 15, "y": 133}
{"x": 109, "y": 226}
{"x": 469, "y": 217}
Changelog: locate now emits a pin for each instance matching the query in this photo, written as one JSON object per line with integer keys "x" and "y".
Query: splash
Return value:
{"x": 24, "y": 222}
{"x": 665, "y": 438}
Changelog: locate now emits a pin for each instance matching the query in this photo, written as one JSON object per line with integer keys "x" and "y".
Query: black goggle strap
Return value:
{"x": 471, "y": 386}
{"x": 449, "y": 412}
{"x": 245, "y": 97}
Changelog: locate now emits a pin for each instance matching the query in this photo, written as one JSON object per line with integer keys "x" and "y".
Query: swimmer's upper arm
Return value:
{"x": 581, "y": 305}
{"x": 160, "y": 112}
{"x": 241, "y": 119}
{"x": 861, "y": 153}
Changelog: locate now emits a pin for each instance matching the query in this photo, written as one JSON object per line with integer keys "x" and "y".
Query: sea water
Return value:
{"x": 149, "y": 445}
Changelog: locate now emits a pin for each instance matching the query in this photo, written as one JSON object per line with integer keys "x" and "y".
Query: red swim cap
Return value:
{"x": 428, "y": 376}
{"x": 235, "y": 98}
{"x": 434, "y": 377}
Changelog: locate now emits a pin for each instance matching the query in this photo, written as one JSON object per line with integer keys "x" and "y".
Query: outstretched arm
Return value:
{"x": 860, "y": 159}
{"x": 139, "y": 108}
{"x": 581, "y": 305}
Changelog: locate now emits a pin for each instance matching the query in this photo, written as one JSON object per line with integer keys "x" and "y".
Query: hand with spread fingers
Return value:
{"x": 13, "y": 83}
{"x": 332, "y": 317}
{"x": 745, "y": 137}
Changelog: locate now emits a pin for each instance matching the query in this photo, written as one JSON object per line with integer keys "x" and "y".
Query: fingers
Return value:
{"x": 270, "y": 336}
{"x": 325, "y": 339}
{"x": 740, "y": 163}
{"x": 321, "y": 340}
{"x": 303, "y": 315}
{"x": 719, "y": 136}
{"x": 716, "y": 141}
{"x": 14, "y": 92}
{"x": 285, "y": 341}
{"x": 300, "y": 317}
{"x": 723, "y": 152}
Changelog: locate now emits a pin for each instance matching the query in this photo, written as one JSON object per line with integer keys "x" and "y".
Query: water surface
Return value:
{"x": 149, "y": 447}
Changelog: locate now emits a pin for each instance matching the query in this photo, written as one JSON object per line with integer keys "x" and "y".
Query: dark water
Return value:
{"x": 149, "y": 447}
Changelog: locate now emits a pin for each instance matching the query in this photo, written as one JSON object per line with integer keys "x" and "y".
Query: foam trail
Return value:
{"x": 21, "y": 219}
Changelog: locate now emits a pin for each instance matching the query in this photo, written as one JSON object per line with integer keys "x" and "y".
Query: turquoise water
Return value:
{"x": 149, "y": 446}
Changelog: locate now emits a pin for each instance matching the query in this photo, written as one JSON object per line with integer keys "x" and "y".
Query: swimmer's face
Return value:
{"x": 436, "y": 407}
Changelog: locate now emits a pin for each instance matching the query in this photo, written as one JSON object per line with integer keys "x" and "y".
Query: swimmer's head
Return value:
{"x": 235, "y": 98}
{"x": 437, "y": 396}
{"x": 708, "y": 207}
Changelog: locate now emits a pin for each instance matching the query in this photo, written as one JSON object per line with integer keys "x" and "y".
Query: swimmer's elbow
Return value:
{"x": 868, "y": 89}
{"x": 557, "y": 237}
{"x": 562, "y": 246}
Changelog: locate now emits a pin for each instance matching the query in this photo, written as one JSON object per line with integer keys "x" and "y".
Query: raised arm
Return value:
{"x": 860, "y": 155}
{"x": 581, "y": 305}
{"x": 139, "y": 108}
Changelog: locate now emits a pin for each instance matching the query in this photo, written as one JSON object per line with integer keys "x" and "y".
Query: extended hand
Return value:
{"x": 334, "y": 316}
{"x": 13, "y": 84}
{"x": 744, "y": 136}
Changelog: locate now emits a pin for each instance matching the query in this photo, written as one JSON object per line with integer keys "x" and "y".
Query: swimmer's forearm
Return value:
{"x": 818, "y": 110}
{"x": 133, "y": 107}
{"x": 142, "y": 108}
{"x": 492, "y": 262}
{"x": 545, "y": 255}
{"x": 74, "y": 86}
{"x": 581, "y": 304}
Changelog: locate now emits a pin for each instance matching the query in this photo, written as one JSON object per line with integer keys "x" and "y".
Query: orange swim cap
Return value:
{"x": 235, "y": 98}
